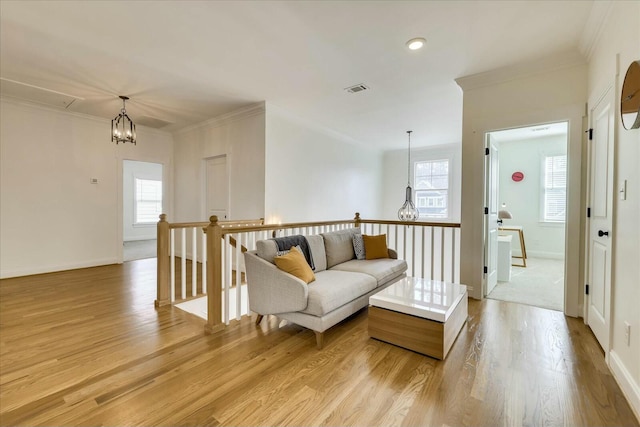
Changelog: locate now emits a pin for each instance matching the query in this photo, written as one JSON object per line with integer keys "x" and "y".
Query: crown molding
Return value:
{"x": 237, "y": 114}
{"x": 554, "y": 62}
{"x": 450, "y": 147}
{"x": 60, "y": 110}
{"x": 593, "y": 28}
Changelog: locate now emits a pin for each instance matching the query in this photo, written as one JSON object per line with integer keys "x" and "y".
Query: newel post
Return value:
{"x": 214, "y": 277}
{"x": 357, "y": 220}
{"x": 163, "y": 284}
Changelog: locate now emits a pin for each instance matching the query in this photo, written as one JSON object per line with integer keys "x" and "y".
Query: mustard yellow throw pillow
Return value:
{"x": 375, "y": 246}
{"x": 295, "y": 263}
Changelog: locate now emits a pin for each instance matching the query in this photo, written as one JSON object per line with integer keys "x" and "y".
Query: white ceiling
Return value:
{"x": 187, "y": 61}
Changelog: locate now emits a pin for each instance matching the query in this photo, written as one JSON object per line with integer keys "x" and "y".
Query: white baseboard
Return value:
{"x": 5, "y": 274}
{"x": 629, "y": 387}
{"x": 581, "y": 313}
{"x": 546, "y": 255}
{"x": 139, "y": 238}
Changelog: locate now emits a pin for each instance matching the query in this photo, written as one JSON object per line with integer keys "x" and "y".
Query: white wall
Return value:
{"x": 131, "y": 170}
{"x": 240, "y": 136}
{"x": 524, "y": 199}
{"x": 395, "y": 178}
{"x": 51, "y": 216}
{"x": 539, "y": 96}
{"x": 314, "y": 175}
{"x": 621, "y": 35}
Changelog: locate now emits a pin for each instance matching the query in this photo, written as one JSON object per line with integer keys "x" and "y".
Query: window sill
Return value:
{"x": 144, "y": 224}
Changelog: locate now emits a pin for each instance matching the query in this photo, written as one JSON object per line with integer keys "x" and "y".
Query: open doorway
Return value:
{"x": 529, "y": 186}
{"x": 142, "y": 189}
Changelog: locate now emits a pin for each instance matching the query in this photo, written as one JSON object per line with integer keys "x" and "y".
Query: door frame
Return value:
{"x": 488, "y": 216}
{"x": 167, "y": 201}
{"x": 203, "y": 185}
{"x": 574, "y": 114}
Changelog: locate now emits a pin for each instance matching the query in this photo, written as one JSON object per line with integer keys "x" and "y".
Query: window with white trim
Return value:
{"x": 554, "y": 188}
{"x": 431, "y": 184}
{"x": 148, "y": 204}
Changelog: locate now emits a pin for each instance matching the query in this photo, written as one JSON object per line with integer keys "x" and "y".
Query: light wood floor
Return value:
{"x": 87, "y": 347}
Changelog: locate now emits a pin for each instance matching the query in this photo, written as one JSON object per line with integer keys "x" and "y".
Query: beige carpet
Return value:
{"x": 540, "y": 284}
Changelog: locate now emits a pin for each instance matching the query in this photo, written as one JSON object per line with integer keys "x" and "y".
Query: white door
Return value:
{"x": 217, "y": 187}
{"x": 491, "y": 202}
{"x": 602, "y": 119}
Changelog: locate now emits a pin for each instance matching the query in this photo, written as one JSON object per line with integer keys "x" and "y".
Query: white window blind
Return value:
{"x": 148, "y": 204}
{"x": 431, "y": 179}
{"x": 555, "y": 188}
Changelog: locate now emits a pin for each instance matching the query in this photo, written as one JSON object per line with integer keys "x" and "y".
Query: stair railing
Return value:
{"x": 182, "y": 247}
{"x": 432, "y": 250}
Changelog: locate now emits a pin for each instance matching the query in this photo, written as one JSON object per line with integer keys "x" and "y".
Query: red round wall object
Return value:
{"x": 517, "y": 176}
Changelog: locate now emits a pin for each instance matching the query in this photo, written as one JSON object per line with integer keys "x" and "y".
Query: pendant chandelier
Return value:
{"x": 122, "y": 128}
{"x": 408, "y": 211}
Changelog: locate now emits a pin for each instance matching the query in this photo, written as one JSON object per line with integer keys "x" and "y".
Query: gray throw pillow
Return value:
{"x": 358, "y": 246}
{"x": 280, "y": 253}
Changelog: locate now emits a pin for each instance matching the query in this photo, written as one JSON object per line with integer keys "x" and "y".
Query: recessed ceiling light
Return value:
{"x": 415, "y": 44}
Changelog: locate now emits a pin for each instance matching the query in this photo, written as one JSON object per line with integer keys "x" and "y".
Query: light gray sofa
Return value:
{"x": 342, "y": 287}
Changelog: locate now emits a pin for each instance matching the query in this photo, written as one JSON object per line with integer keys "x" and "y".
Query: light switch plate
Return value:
{"x": 627, "y": 333}
{"x": 623, "y": 190}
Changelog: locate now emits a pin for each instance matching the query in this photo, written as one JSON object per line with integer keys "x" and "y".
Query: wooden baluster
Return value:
{"x": 458, "y": 255}
{"x": 183, "y": 264}
{"x": 413, "y": 251}
{"x": 238, "y": 276}
{"x": 442, "y": 253}
{"x": 431, "y": 229}
{"x": 204, "y": 262}
{"x": 173, "y": 265}
{"x": 214, "y": 277}
{"x": 228, "y": 266}
{"x": 453, "y": 255}
{"x": 422, "y": 257}
{"x": 404, "y": 243}
{"x": 395, "y": 233}
{"x": 194, "y": 262}
{"x": 163, "y": 284}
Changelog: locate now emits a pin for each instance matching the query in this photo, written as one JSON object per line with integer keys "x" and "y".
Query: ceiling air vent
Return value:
{"x": 357, "y": 88}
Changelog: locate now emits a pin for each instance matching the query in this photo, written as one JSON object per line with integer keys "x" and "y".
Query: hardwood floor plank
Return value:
{"x": 355, "y": 407}
{"x": 203, "y": 417}
{"x": 338, "y": 382}
{"x": 87, "y": 347}
{"x": 302, "y": 371}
